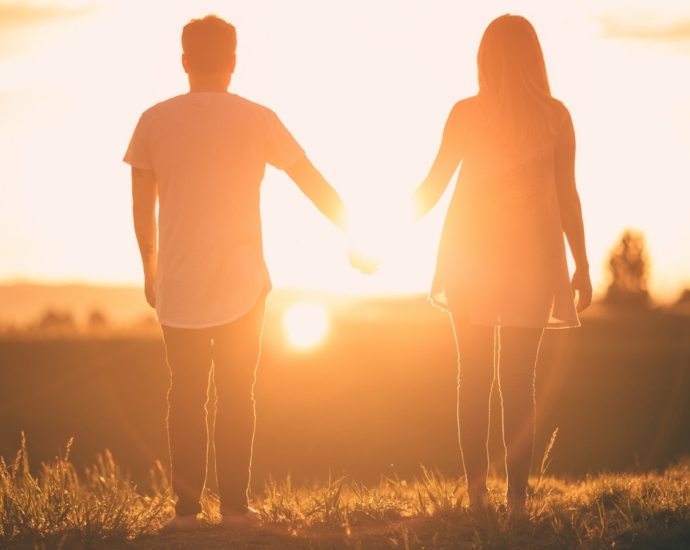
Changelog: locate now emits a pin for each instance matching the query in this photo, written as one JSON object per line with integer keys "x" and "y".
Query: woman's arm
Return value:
{"x": 571, "y": 213}
{"x": 446, "y": 163}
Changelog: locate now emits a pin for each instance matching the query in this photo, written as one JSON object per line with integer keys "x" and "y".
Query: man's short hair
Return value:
{"x": 209, "y": 44}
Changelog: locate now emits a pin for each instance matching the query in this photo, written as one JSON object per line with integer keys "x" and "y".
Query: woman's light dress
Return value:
{"x": 502, "y": 257}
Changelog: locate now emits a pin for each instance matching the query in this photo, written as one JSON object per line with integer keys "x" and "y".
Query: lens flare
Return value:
{"x": 379, "y": 230}
{"x": 306, "y": 324}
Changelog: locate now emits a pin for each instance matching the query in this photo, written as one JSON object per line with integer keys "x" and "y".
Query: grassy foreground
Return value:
{"x": 57, "y": 508}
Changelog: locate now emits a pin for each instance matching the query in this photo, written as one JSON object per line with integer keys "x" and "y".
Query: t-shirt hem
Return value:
{"x": 266, "y": 289}
{"x": 202, "y": 325}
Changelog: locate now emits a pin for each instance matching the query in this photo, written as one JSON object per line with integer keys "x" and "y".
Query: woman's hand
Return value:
{"x": 582, "y": 289}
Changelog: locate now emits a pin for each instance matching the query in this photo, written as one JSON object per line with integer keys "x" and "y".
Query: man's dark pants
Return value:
{"x": 229, "y": 353}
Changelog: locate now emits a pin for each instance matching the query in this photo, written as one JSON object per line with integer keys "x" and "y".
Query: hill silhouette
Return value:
{"x": 24, "y": 303}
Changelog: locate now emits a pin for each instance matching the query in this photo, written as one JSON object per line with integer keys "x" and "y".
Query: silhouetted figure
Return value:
{"x": 203, "y": 156}
{"x": 501, "y": 269}
{"x": 628, "y": 267}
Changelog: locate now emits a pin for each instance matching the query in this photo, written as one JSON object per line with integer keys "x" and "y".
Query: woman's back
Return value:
{"x": 507, "y": 167}
{"x": 501, "y": 259}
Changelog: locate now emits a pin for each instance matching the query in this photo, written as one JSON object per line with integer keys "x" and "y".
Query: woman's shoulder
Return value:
{"x": 467, "y": 104}
{"x": 558, "y": 109}
{"x": 558, "y": 121}
{"x": 464, "y": 110}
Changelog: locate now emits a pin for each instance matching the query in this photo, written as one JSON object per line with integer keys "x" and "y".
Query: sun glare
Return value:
{"x": 306, "y": 324}
{"x": 378, "y": 230}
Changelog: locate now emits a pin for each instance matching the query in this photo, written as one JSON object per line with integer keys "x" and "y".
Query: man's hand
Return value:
{"x": 148, "y": 291}
{"x": 378, "y": 230}
{"x": 582, "y": 288}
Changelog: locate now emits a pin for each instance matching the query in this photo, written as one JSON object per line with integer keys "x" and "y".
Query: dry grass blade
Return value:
{"x": 57, "y": 507}
{"x": 439, "y": 492}
{"x": 545, "y": 461}
{"x": 105, "y": 504}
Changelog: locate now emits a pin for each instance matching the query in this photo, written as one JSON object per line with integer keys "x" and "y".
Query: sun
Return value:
{"x": 306, "y": 324}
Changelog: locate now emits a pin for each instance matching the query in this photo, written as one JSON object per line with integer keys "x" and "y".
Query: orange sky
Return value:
{"x": 365, "y": 86}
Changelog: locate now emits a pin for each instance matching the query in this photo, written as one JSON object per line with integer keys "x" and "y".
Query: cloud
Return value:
{"x": 21, "y": 15}
{"x": 18, "y": 18}
{"x": 646, "y": 26}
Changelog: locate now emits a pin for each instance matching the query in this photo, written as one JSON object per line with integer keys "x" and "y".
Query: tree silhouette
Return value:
{"x": 97, "y": 321}
{"x": 57, "y": 323}
{"x": 628, "y": 268}
{"x": 684, "y": 297}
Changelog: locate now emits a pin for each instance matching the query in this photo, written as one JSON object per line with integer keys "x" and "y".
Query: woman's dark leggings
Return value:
{"x": 509, "y": 355}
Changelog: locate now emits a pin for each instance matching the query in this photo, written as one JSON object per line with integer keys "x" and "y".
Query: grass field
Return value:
{"x": 57, "y": 508}
{"x": 369, "y": 404}
{"x": 379, "y": 391}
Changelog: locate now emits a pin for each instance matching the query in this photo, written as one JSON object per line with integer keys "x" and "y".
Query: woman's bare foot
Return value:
{"x": 232, "y": 521}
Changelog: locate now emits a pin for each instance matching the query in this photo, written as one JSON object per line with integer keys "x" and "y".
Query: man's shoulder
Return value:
{"x": 248, "y": 104}
{"x": 234, "y": 101}
{"x": 160, "y": 109}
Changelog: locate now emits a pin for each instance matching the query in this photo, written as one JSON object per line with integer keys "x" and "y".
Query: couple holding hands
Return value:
{"x": 501, "y": 269}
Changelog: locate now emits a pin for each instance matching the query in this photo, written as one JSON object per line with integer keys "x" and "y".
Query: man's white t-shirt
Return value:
{"x": 209, "y": 153}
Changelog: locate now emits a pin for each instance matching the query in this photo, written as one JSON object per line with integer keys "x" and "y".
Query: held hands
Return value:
{"x": 377, "y": 231}
{"x": 582, "y": 288}
{"x": 367, "y": 264}
{"x": 365, "y": 249}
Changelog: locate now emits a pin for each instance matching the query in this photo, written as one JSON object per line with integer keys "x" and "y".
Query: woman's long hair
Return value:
{"x": 512, "y": 79}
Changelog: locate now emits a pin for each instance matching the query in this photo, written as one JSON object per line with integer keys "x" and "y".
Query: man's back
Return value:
{"x": 209, "y": 152}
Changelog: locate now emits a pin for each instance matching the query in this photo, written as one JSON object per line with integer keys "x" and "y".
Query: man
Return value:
{"x": 203, "y": 156}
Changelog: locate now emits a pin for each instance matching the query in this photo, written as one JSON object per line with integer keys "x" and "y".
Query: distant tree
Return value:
{"x": 97, "y": 321}
{"x": 684, "y": 297}
{"x": 55, "y": 322}
{"x": 628, "y": 271}
{"x": 682, "y": 304}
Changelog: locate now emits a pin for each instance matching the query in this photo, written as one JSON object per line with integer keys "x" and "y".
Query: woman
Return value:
{"x": 501, "y": 269}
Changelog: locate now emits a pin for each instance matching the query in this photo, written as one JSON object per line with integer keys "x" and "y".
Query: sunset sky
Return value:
{"x": 365, "y": 86}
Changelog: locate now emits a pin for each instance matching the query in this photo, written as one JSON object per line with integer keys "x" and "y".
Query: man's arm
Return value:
{"x": 326, "y": 199}
{"x": 144, "y": 197}
{"x": 319, "y": 191}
